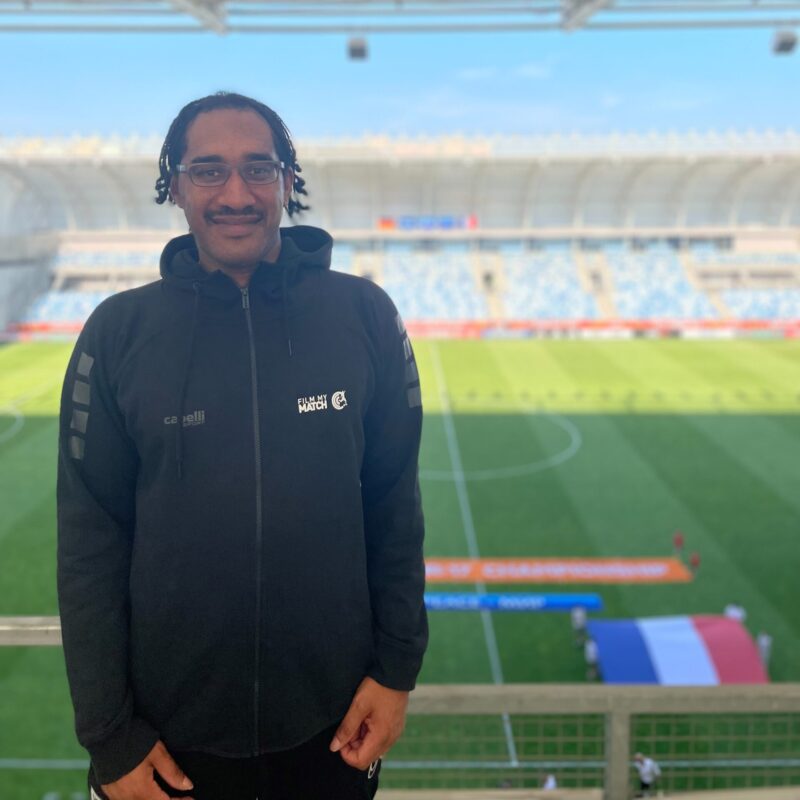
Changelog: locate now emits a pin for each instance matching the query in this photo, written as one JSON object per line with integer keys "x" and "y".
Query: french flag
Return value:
{"x": 676, "y": 651}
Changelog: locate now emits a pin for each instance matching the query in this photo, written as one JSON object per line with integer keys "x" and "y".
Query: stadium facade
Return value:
{"x": 470, "y": 235}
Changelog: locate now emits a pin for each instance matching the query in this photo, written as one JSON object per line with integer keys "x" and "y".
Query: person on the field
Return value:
{"x": 735, "y": 612}
{"x": 764, "y": 644}
{"x": 591, "y": 655}
{"x": 649, "y": 773}
{"x": 578, "y": 619}
{"x": 240, "y": 564}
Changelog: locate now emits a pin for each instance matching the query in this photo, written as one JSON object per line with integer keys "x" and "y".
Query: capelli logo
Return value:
{"x": 189, "y": 420}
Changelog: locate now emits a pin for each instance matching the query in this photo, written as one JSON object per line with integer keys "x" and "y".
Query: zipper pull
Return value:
{"x": 245, "y": 298}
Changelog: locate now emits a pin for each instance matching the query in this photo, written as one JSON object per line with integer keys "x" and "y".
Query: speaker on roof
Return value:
{"x": 357, "y": 49}
{"x": 784, "y": 42}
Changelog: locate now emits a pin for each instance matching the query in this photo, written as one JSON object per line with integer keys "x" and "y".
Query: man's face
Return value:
{"x": 235, "y": 225}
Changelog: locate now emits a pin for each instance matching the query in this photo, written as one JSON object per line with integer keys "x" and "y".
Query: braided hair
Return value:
{"x": 174, "y": 147}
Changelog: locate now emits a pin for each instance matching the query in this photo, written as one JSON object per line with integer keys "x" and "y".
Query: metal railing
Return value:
{"x": 472, "y": 737}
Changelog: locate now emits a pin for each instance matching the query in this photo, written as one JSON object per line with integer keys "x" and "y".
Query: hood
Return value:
{"x": 302, "y": 246}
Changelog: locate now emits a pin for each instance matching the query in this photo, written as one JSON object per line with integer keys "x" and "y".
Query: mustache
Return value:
{"x": 227, "y": 211}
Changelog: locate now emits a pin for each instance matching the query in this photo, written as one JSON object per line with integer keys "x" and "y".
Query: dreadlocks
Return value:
{"x": 174, "y": 146}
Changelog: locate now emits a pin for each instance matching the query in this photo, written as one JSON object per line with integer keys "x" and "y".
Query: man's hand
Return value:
{"x": 139, "y": 783}
{"x": 373, "y": 723}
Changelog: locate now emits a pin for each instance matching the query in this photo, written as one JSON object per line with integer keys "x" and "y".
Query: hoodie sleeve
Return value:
{"x": 393, "y": 519}
{"x": 97, "y": 468}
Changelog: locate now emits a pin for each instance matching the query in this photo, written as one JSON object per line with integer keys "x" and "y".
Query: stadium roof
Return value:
{"x": 766, "y": 145}
{"x": 573, "y": 183}
{"x": 379, "y": 16}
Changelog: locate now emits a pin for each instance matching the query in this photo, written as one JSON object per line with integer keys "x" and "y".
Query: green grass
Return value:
{"x": 700, "y": 436}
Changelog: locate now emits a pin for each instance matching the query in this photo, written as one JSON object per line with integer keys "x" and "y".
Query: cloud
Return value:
{"x": 530, "y": 71}
{"x": 533, "y": 70}
{"x": 677, "y": 97}
{"x": 610, "y": 101}
{"x": 477, "y": 73}
{"x": 447, "y": 109}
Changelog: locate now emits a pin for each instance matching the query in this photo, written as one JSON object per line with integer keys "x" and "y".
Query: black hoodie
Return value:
{"x": 239, "y": 520}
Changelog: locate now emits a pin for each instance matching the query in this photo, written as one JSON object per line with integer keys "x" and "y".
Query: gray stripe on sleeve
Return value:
{"x": 81, "y": 393}
{"x": 85, "y": 364}
{"x": 79, "y": 420}
{"x": 76, "y": 447}
{"x": 401, "y": 329}
{"x": 412, "y": 376}
{"x": 414, "y": 397}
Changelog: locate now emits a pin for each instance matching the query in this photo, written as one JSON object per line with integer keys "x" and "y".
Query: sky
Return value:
{"x": 423, "y": 84}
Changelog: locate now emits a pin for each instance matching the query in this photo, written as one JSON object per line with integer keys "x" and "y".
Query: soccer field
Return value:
{"x": 530, "y": 448}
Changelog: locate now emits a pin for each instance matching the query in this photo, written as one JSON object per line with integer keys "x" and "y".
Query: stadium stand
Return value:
{"x": 772, "y": 304}
{"x": 513, "y": 283}
{"x": 64, "y": 307}
{"x": 435, "y": 285}
{"x": 554, "y": 234}
{"x": 545, "y": 286}
{"x": 652, "y": 285}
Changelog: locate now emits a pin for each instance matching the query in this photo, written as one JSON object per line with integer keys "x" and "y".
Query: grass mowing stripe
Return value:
{"x": 17, "y": 423}
{"x": 27, "y": 472}
{"x": 12, "y": 407}
{"x": 469, "y": 532}
{"x": 519, "y": 470}
{"x": 44, "y": 763}
{"x": 757, "y": 443}
{"x": 731, "y": 512}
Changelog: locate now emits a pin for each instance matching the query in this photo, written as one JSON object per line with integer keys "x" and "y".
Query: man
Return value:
{"x": 764, "y": 644}
{"x": 735, "y": 612}
{"x": 591, "y": 655}
{"x": 649, "y": 773}
{"x": 240, "y": 531}
{"x": 550, "y": 782}
{"x": 577, "y": 616}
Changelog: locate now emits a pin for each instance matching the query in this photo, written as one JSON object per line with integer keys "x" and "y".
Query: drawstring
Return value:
{"x": 185, "y": 384}
{"x": 285, "y": 298}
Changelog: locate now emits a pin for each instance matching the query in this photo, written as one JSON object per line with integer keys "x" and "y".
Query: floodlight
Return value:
{"x": 357, "y": 49}
{"x": 784, "y": 42}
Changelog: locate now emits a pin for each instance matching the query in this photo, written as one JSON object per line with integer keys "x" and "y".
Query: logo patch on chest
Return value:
{"x": 319, "y": 402}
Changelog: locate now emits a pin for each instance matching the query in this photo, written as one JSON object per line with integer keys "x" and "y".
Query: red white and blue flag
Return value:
{"x": 676, "y": 651}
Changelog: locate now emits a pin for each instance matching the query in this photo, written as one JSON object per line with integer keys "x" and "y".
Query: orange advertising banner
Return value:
{"x": 556, "y": 570}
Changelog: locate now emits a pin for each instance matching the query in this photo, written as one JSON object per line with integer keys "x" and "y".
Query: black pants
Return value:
{"x": 307, "y": 772}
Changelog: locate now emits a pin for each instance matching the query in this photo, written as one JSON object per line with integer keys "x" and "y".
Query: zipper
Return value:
{"x": 257, "y": 445}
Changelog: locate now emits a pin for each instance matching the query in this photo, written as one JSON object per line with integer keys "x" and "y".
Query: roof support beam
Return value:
{"x": 210, "y": 15}
{"x": 576, "y": 12}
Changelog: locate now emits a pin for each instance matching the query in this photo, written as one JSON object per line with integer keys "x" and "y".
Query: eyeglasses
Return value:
{"x": 217, "y": 173}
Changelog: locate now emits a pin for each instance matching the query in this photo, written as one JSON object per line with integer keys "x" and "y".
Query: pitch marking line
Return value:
{"x": 472, "y": 540}
{"x": 15, "y": 427}
{"x": 516, "y": 471}
{"x": 12, "y": 407}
